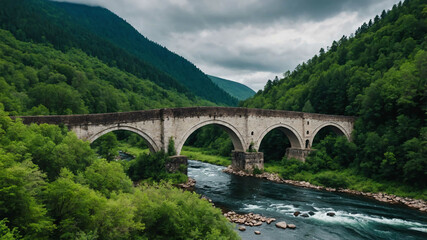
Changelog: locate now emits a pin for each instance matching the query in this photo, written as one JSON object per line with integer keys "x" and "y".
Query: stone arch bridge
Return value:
{"x": 246, "y": 128}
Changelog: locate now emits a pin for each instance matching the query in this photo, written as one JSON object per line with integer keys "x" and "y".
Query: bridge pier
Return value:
{"x": 247, "y": 161}
{"x": 298, "y": 153}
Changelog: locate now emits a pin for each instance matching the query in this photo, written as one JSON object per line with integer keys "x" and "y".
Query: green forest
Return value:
{"x": 53, "y": 186}
{"x": 37, "y": 79}
{"x": 378, "y": 74}
{"x": 101, "y": 34}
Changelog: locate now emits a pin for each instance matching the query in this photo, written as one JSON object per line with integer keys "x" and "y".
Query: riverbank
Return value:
{"x": 271, "y": 175}
{"x": 198, "y": 154}
{"x": 382, "y": 197}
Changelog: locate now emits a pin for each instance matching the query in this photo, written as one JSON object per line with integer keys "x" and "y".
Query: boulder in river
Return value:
{"x": 242, "y": 228}
{"x": 257, "y": 232}
{"x": 330, "y": 214}
{"x": 311, "y": 213}
{"x": 281, "y": 225}
{"x": 270, "y": 220}
{"x": 305, "y": 215}
{"x": 291, "y": 226}
{"x": 297, "y": 213}
{"x": 258, "y": 223}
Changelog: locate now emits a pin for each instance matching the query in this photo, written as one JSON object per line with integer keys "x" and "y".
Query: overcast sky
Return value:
{"x": 248, "y": 41}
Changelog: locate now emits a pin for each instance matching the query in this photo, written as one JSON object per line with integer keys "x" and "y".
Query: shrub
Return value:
{"x": 171, "y": 147}
{"x": 148, "y": 166}
{"x": 169, "y": 213}
{"x": 331, "y": 179}
{"x": 291, "y": 167}
{"x": 256, "y": 171}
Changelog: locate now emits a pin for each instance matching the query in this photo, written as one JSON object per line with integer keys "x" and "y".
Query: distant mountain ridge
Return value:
{"x": 235, "y": 89}
{"x": 102, "y": 34}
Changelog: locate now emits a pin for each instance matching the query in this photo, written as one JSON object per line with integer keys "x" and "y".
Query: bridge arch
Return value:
{"x": 150, "y": 142}
{"x": 236, "y": 137}
{"x": 290, "y": 132}
{"x": 336, "y": 128}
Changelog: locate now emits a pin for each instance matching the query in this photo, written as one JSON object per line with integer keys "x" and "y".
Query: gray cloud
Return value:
{"x": 249, "y": 41}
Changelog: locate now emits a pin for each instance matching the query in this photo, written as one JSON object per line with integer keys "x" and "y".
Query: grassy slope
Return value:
{"x": 198, "y": 154}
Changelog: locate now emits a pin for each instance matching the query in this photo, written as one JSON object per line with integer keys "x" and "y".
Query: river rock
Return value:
{"x": 292, "y": 226}
{"x": 311, "y": 213}
{"x": 330, "y": 214}
{"x": 281, "y": 225}
{"x": 305, "y": 215}
{"x": 242, "y": 228}
{"x": 297, "y": 213}
{"x": 257, "y": 232}
{"x": 270, "y": 220}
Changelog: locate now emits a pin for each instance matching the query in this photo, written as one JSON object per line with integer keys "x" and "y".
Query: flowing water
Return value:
{"x": 356, "y": 217}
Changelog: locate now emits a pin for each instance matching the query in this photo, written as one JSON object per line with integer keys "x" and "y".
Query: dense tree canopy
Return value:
{"x": 102, "y": 34}
{"x": 52, "y": 186}
{"x": 379, "y": 75}
{"x": 37, "y": 79}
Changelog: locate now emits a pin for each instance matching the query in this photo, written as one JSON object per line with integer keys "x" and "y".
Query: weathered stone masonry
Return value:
{"x": 246, "y": 127}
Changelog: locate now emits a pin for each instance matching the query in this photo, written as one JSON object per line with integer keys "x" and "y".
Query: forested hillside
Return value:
{"x": 37, "y": 79}
{"x": 100, "y": 33}
{"x": 53, "y": 186}
{"x": 235, "y": 89}
{"x": 378, "y": 74}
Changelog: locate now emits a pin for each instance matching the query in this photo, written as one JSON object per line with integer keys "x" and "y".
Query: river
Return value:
{"x": 356, "y": 217}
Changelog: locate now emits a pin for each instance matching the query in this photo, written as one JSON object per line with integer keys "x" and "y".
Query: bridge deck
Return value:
{"x": 155, "y": 114}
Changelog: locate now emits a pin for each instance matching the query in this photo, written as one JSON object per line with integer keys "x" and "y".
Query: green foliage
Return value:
{"x": 107, "y": 146}
{"x": 148, "y": 166}
{"x": 21, "y": 185}
{"x": 59, "y": 98}
{"x": 72, "y": 204}
{"x": 100, "y": 33}
{"x": 49, "y": 147}
{"x": 378, "y": 74}
{"x": 171, "y": 147}
{"x": 256, "y": 171}
{"x": 290, "y": 167}
{"x": 349, "y": 176}
{"x": 331, "y": 179}
{"x": 97, "y": 203}
{"x": 212, "y": 139}
{"x": 169, "y": 213}
{"x": 151, "y": 167}
{"x": 274, "y": 145}
{"x": 308, "y": 107}
{"x": 6, "y": 233}
{"x": 416, "y": 167}
{"x": 332, "y": 153}
{"x": 205, "y": 156}
{"x": 37, "y": 79}
{"x": 251, "y": 148}
{"x": 107, "y": 177}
